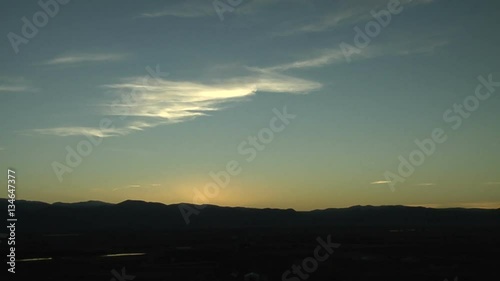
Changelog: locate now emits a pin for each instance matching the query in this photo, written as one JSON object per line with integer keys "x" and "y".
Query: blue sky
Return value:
{"x": 181, "y": 85}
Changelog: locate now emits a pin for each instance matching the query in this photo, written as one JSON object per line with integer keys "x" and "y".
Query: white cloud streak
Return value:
{"x": 82, "y": 131}
{"x": 81, "y": 58}
{"x": 336, "y": 56}
{"x": 353, "y": 14}
{"x": 166, "y": 102}
{"x": 132, "y": 186}
{"x": 7, "y": 88}
{"x": 425, "y": 184}
{"x": 15, "y": 85}
{"x": 176, "y": 101}
{"x": 202, "y": 8}
{"x": 186, "y": 9}
{"x": 380, "y": 182}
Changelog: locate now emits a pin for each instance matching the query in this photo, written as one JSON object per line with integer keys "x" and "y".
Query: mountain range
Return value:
{"x": 134, "y": 215}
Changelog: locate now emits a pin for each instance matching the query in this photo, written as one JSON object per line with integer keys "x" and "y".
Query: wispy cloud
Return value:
{"x": 204, "y": 8}
{"x": 336, "y": 56}
{"x": 127, "y": 187}
{"x": 84, "y": 57}
{"x": 330, "y": 56}
{"x": 6, "y": 88}
{"x": 15, "y": 85}
{"x": 380, "y": 182}
{"x": 347, "y": 13}
{"x": 185, "y": 9}
{"x": 425, "y": 184}
{"x": 328, "y": 22}
{"x": 82, "y": 131}
{"x": 168, "y": 102}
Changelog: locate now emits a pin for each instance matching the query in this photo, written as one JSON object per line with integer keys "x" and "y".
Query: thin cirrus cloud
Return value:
{"x": 353, "y": 13}
{"x": 336, "y": 56}
{"x": 331, "y": 56}
{"x": 380, "y": 182}
{"x": 82, "y": 131}
{"x": 199, "y": 8}
{"x": 327, "y": 22}
{"x": 127, "y": 187}
{"x": 14, "y": 88}
{"x": 15, "y": 85}
{"x": 186, "y": 9}
{"x": 82, "y": 58}
{"x": 167, "y": 102}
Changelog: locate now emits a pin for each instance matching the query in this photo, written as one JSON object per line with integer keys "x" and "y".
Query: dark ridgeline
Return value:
{"x": 135, "y": 215}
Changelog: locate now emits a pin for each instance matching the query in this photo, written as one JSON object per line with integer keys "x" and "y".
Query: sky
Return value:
{"x": 258, "y": 103}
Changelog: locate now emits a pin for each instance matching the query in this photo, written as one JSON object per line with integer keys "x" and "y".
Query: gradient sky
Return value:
{"x": 220, "y": 81}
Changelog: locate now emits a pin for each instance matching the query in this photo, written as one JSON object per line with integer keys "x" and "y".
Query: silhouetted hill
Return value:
{"x": 82, "y": 204}
{"x": 138, "y": 215}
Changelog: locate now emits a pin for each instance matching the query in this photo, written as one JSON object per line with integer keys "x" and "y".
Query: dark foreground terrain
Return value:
{"x": 144, "y": 241}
